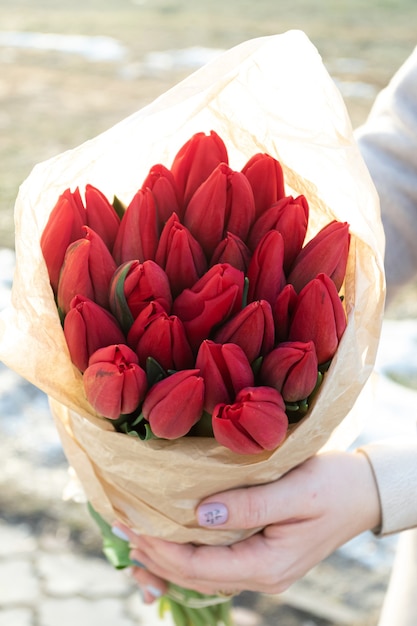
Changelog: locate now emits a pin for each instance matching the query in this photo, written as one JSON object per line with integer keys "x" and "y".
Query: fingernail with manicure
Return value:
{"x": 212, "y": 514}
{"x": 119, "y": 533}
{"x": 154, "y": 591}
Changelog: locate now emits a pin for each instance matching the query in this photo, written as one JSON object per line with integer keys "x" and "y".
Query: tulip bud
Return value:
{"x": 252, "y": 329}
{"x": 180, "y": 255}
{"x": 133, "y": 286}
{"x": 319, "y": 316}
{"x": 162, "y": 184}
{"x": 87, "y": 271}
{"x": 255, "y": 422}
{"x": 266, "y": 179}
{"x": 291, "y": 369}
{"x": 225, "y": 370}
{"x": 326, "y": 253}
{"x": 282, "y": 311}
{"x": 290, "y": 217}
{"x": 195, "y": 161}
{"x": 232, "y": 250}
{"x": 138, "y": 233}
{"x": 223, "y": 203}
{"x": 65, "y": 225}
{"x": 215, "y": 297}
{"x": 113, "y": 381}
{"x": 265, "y": 273}
{"x": 88, "y": 327}
{"x": 160, "y": 336}
{"x": 174, "y": 404}
{"x": 101, "y": 216}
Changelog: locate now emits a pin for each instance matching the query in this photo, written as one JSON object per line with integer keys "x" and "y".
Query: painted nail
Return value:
{"x": 136, "y": 563}
{"x": 119, "y": 533}
{"x": 212, "y": 514}
{"x": 154, "y": 591}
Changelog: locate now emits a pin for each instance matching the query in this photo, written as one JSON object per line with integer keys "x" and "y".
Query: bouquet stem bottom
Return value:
{"x": 187, "y": 607}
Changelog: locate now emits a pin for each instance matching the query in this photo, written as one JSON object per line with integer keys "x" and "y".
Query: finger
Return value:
{"x": 255, "y": 507}
{"x": 183, "y": 564}
{"x": 157, "y": 584}
{"x": 150, "y": 584}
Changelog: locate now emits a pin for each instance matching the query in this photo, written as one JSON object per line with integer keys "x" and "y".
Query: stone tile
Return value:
{"x": 67, "y": 574}
{"x": 18, "y": 583}
{"x": 16, "y": 617}
{"x": 16, "y": 540}
{"x": 68, "y": 612}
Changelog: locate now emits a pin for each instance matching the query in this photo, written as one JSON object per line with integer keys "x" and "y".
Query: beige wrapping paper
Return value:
{"x": 271, "y": 95}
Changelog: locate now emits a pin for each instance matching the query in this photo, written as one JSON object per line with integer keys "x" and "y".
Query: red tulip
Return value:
{"x": 282, "y": 311}
{"x": 133, "y": 286}
{"x": 65, "y": 225}
{"x": 265, "y": 273}
{"x": 101, "y": 216}
{"x": 161, "y": 336}
{"x": 290, "y": 217}
{"x": 223, "y": 203}
{"x": 267, "y": 180}
{"x": 87, "y": 271}
{"x": 180, "y": 255}
{"x": 326, "y": 253}
{"x": 113, "y": 381}
{"x": 138, "y": 232}
{"x": 195, "y": 161}
{"x": 252, "y": 329}
{"x": 255, "y": 422}
{"x": 88, "y": 327}
{"x": 174, "y": 404}
{"x": 162, "y": 184}
{"x": 225, "y": 370}
{"x": 232, "y": 250}
{"x": 215, "y": 297}
{"x": 319, "y": 316}
{"x": 291, "y": 369}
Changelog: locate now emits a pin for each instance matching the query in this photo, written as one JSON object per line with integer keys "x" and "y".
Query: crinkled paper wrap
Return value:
{"x": 271, "y": 95}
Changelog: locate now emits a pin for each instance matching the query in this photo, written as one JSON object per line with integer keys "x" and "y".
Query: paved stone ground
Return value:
{"x": 52, "y": 572}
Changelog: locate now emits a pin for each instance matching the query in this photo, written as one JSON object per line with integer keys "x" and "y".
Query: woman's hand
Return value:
{"x": 305, "y": 516}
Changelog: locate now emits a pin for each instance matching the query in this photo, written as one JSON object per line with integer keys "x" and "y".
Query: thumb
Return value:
{"x": 245, "y": 508}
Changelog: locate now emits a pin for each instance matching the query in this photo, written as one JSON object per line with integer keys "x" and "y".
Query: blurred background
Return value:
{"x": 70, "y": 69}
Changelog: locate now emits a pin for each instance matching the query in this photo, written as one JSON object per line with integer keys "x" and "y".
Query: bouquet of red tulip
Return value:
{"x": 216, "y": 295}
{"x": 197, "y": 310}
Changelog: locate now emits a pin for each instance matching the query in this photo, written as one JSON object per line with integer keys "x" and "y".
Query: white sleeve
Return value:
{"x": 388, "y": 142}
{"x": 394, "y": 464}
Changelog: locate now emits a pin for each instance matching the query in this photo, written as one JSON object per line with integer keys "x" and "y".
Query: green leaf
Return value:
{"x": 292, "y": 406}
{"x": 146, "y": 433}
{"x": 119, "y": 207}
{"x": 256, "y": 365}
{"x": 204, "y": 426}
{"x": 117, "y": 298}
{"x": 116, "y": 550}
{"x": 154, "y": 371}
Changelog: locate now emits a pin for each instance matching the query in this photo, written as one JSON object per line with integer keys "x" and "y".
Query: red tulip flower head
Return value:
{"x": 255, "y": 422}
{"x": 113, "y": 381}
{"x": 174, "y": 404}
{"x": 225, "y": 370}
{"x": 319, "y": 316}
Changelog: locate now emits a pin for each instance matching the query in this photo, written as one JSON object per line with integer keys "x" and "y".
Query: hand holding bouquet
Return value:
{"x": 182, "y": 330}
